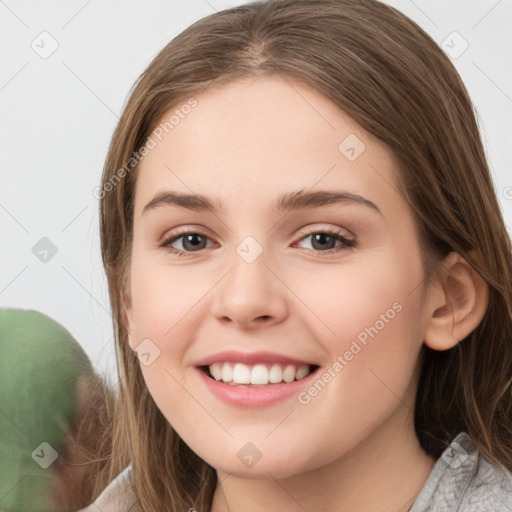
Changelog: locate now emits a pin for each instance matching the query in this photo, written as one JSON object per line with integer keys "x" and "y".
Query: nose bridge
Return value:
{"x": 250, "y": 289}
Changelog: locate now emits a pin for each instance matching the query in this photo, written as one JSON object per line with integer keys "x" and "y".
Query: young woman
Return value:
{"x": 305, "y": 252}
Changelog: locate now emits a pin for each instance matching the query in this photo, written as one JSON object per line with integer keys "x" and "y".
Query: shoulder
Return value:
{"x": 118, "y": 496}
{"x": 463, "y": 481}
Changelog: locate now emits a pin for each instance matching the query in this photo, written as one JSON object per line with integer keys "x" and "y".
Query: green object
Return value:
{"x": 40, "y": 364}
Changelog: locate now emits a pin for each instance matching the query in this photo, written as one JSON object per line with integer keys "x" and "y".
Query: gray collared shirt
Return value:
{"x": 463, "y": 481}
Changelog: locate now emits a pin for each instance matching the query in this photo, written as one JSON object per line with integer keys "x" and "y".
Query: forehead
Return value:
{"x": 259, "y": 136}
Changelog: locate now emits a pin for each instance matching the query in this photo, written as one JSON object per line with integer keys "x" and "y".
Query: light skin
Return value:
{"x": 353, "y": 446}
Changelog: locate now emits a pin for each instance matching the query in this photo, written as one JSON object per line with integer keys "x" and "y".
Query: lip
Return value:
{"x": 250, "y": 358}
{"x": 243, "y": 396}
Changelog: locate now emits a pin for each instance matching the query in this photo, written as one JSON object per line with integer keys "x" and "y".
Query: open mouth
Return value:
{"x": 257, "y": 375}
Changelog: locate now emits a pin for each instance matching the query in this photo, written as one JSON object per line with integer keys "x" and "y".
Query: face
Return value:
{"x": 306, "y": 260}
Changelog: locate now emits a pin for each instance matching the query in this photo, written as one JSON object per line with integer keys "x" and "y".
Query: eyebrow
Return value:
{"x": 287, "y": 202}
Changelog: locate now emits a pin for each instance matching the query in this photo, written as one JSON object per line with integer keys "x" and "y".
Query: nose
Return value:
{"x": 250, "y": 295}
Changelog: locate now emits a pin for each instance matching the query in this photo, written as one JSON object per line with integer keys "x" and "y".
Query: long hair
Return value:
{"x": 81, "y": 471}
{"x": 391, "y": 77}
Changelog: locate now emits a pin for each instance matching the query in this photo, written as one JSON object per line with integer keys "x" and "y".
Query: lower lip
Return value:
{"x": 243, "y": 396}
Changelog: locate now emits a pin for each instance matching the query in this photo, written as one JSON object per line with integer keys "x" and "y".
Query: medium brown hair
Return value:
{"x": 391, "y": 77}
{"x": 81, "y": 470}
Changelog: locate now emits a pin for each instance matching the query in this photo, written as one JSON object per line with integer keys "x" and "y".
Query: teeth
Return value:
{"x": 259, "y": 374}
{"x": 289, "y": 373}
{"x": 276, "y": 374}
{"x": 302, "y": 371}
{"x": 241, "y": 374}
{"x": 227, "y": 373}
{"x": 216, "y": 371}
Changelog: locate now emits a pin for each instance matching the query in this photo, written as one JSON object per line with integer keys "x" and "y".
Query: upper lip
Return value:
{"x": 250, "y": 358}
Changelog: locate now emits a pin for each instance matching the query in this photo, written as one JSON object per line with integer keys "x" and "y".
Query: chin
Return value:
{"x": 277, "y": 464}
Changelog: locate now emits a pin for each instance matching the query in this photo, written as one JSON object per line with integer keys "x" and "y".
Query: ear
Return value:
{"x": 459, "y": 303}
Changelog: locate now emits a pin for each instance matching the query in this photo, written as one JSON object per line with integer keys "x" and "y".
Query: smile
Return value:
{"x": 257, "y": 375}
{"x": 245, "y": 385}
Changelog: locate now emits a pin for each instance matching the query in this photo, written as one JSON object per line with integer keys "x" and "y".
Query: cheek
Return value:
{"x": 165, "y": 304}
{"x": 163, "y": 297}
{"x": 368, "y": 321}
{"x": 353, "y": 300}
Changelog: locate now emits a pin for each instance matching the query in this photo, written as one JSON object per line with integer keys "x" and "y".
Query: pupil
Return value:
{"x": 322, "y": 238}
{"x": 193, "y": 240}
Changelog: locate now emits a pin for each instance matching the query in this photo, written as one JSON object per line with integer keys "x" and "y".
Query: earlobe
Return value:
{"x": 459, "y": 303}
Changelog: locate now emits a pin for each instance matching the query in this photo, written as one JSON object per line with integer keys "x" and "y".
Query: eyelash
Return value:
{"x": 347, "y": 243}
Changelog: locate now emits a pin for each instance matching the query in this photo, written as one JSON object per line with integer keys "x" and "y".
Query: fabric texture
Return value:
{"x": 463, "y": 481}
{"x": 119, "y": 496}
{"x": 460, "y": 481}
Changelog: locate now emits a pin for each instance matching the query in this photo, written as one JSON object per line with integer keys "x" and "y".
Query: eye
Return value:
{"x": 323, "y": 241}
{"x": 192, "y": 241}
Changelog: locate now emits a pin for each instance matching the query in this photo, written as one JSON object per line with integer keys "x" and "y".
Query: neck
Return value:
{"x": 385, "y": 472}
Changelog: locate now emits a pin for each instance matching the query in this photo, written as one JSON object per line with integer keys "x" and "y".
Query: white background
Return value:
{"x": 58, "y": 113}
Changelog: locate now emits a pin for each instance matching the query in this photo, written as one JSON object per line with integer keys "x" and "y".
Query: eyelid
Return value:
{"x": 321, "y": 228}
{"x": 337, "y": 232}
{"x": 304, "y": 231}
{"x": 179, "y": 233}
